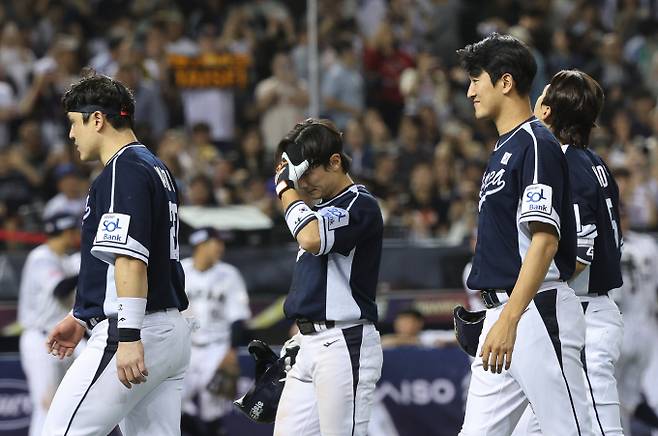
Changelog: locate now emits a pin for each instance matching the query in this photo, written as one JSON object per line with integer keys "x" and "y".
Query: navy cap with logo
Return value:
{"x": 59, "y": 222}
{"x": 203, "y": 234}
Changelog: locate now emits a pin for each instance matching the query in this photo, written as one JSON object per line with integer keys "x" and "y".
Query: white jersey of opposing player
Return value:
{"x": 43, "y": 270}
{"x": 218, "y": 297}
{"x": 639, "y": 261}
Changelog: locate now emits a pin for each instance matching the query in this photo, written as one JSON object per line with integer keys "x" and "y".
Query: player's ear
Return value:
{"x": 507, "y": 82}
{"x": 335, "y": 162}
{"x": 98, "y": 120}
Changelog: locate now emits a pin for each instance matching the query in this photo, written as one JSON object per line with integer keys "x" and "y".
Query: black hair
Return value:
{"x": 499, "y": 54}
{"x": 576, "y": 101}
{"x": 315, "y": 140}
{"x": 104, "y": 94}
{"x": 411, "y": 312}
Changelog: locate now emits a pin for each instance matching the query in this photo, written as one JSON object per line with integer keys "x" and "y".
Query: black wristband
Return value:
{"x": 129, "y": 335}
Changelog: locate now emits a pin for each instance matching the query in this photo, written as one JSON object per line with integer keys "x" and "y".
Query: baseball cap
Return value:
{"x": 203, "y": 234}
{"x": 59, "y": 222}
{"x": 67, "y": 169}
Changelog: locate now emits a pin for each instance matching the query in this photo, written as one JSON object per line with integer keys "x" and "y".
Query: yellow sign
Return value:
{"x": 210, "y": 70}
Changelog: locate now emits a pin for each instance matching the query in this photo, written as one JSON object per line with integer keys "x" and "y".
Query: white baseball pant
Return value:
{"x": 546, "y": 371}
{"x": 603, "y": 339}
{"x": 43, "y": 372}
{"x": 330, "y": 389}
{"x": 203, "y": 364}
{"x": 91, "y": 400}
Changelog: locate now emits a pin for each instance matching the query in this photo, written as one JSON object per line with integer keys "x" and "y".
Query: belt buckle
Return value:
{"x": 490, "y": 299}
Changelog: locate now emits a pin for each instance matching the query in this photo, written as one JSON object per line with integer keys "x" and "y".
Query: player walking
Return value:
{"x": 131, "y": 284}
{"x": 219, "y": 301}
{"x": 569, "y": 106}
{"x": 525, "y": 251}
{"x": 329, "y": 389}
{"x": 49, "y": 277}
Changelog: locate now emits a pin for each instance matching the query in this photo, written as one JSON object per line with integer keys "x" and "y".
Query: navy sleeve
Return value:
{"x": 583, "y": 194}
{"x": 125, "y": 228}
{"x": 341, "y": 229}
{"x": 542, "y": 183}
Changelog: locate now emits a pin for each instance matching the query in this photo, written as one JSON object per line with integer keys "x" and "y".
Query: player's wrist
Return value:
{"x": 130, "y": 315}
{"x": 283, "y": 186}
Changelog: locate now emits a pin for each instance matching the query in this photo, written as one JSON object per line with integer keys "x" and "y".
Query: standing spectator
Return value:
{"x": 281, "y": 100}
{"x": 357, "y": 148}
{"x": 343, "y": 87}
{"x": 383, "y": 63}
{"x": 70, "y": 198}
{"x": 151, "y": 116}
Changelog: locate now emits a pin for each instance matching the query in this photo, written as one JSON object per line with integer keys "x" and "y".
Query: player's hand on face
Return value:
{"x": 63, "y": 339}
{"x": 131, "y": 369}
{"x": 498, "y": 346}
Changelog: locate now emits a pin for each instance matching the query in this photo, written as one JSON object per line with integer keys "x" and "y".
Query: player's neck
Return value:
{"x": 512, "y": 114}
{"x": 343, "y": 183}
{"x": 115, "y": 141}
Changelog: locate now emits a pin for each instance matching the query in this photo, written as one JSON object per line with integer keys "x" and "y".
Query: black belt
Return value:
{"x": 307, "y": 327}
{"x": 490, "y": 299}
{"x": 599, "y": 293}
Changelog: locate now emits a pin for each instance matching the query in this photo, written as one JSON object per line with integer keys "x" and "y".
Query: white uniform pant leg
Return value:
{"x": 43, "y": 372}
{"x": 91, "y": 400}
{"x": 602, "y": 350}
{"x": 331, "y": 392}
{"x": 211, "y": 406}
{"x": 546, "y": 371}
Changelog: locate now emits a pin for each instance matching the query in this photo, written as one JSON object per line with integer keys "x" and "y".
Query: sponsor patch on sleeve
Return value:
{"x": 537, "y": 198}
{"x": 113, "y": 227}
{"x": 335, "y": 217}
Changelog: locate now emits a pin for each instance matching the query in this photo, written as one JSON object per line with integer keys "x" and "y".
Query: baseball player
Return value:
{"x": 534, "y": 328}
{"x": 330, "y": 388}
{"x": 637, "y": 300}
{"x": 49, "y": 278}
{"x": 569, "y": 106}
{"x": 131, "y": 284}
{"x": 219, "y": 301}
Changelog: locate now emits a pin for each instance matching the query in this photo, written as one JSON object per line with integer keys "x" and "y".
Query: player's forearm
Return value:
{"x": 130, "y": 277}
{"x": 533, "y": 272}
{"x": 580, "y": 267}
{"x": 309, "y": 236}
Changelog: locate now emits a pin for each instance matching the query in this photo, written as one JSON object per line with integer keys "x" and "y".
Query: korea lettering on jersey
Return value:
{"x": 339, "y": 283}
{"x": 131, "y": 210}
{"x": 526, "y": 181}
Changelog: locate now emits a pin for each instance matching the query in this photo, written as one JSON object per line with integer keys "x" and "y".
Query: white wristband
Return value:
{"x": 78, "y": 320}
{"x": 131, "y": 312}
{"x": 298, "y": 215}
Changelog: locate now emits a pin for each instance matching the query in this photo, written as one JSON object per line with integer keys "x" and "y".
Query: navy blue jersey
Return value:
{"x": 340, "y": 282}
{"x": 596, "y": 206}
{"x": 526, "y": 180}
{"x": 131, "y": 210}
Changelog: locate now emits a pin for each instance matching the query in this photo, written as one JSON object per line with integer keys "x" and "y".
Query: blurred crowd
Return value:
{"x": 389, "y": 80}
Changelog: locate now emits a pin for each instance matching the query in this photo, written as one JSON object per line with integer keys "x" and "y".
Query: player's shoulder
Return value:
{"x": 40, "y": 253}
{"x": 136, "y": 157}
{"x": 226, "y": 269}
{"x": 186, "y": 263}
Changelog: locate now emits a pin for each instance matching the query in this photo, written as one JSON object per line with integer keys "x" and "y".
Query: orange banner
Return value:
{"x": 210, "y": 70}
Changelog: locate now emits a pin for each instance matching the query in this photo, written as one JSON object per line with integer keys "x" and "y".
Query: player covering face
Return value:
{"x": 329, "y": 387}
{"x": 529, "y": 348}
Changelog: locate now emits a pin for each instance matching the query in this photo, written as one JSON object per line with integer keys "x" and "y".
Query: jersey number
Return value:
{"x": 601, "y": 175}
{"x": 173, "y": 231}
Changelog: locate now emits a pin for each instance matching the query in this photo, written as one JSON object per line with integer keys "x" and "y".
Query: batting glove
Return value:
{"x": 289, "y": 351}
{"x": 282, "y": 180}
